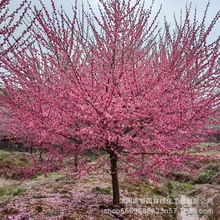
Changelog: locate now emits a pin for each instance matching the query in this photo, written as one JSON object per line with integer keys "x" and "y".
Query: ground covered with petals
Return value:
{"x": 62, "y": 197}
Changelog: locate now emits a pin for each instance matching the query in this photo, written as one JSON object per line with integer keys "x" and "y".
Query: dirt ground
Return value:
{"x": 59, "y": 197}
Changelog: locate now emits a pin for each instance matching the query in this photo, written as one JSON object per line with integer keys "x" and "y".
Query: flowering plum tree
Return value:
{"x": 115, "y": 85}
{"x": 9, "y": 23}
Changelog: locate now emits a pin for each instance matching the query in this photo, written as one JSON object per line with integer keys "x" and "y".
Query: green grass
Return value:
{"x": 181, "y": 186}
{"x": 4, "y": 154}
{"x": 100, "y": 190}
{"x": 13, "y": 160}
{"x": 207, "y": 174}
{"x": 170, "y": 188}
{"x": 11, "y": 190}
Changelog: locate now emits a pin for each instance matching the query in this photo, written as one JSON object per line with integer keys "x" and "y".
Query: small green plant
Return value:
{"x": 100, "y": 190}
{"x": 4, "y": 154}
{"x": 54, "y": 189}
{"x": 174, "y": 188}
{"x": 181, "y": 186}
{"x": 11, "y": 191}
{"x": 18, "y": 191}
{"x": 207, "y": 174}
{"x": 39, "y": 196}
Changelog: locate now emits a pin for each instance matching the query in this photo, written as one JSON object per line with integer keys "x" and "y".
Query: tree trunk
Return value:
{"x": 31, "y": 149}
{"x": 76, "y": 162}
{"x": 114, "y": 174}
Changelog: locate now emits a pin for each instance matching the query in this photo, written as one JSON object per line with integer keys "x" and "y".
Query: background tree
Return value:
{"x": 116, "y": 86}
{"x": 10, "y": 38}
{"x": 9, "y": 23}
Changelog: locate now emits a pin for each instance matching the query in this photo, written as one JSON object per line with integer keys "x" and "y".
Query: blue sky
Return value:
{"x": 169, "y": 7}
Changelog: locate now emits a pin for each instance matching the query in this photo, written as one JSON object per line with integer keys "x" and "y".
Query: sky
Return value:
{"x": 169, "y": 7}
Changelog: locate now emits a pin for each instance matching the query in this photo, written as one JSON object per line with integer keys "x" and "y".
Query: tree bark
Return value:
{"x": 76, "y": 162}
{"x": 114, "y": 174}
